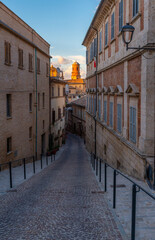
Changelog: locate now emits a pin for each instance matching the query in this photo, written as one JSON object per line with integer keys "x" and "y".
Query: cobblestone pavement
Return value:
{"x": 145, "y": 207}
{"x": 63, "y": 202}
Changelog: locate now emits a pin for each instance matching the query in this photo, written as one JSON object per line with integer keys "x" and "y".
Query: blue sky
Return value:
{"x": 62, "y": 23}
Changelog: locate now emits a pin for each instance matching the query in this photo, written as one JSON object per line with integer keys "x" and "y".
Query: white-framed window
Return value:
{"x": 135, "y": 7}
{"x": 132, "y": 130}
{"x": 120, "y": 15}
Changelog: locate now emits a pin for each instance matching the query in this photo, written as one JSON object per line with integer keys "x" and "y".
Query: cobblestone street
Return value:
{"x": 63, "y": 201}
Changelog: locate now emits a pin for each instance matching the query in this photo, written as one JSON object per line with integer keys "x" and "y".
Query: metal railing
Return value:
{"x": 24, "y": 161}
{"x": 135, "y": 187}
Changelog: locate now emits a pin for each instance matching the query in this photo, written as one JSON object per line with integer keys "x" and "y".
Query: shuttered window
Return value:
{"x": 100, "y": 42}
{"x": 87, "y": 57}
{"x": 133, "y": 124}
{"x": 30, "y": 62}
{"x": 99, "y": 109}
{"x": 7, "y": 53}
{"x": 94, "y": 105}
{"x": 89, "y": 103}
{"x": 95, "y": 47}
{"x": 135, "y": 7}
{"x": 112, "y": 26}
{"x": 111, "y": 114}
{"x": 120, "y": 15}
{"x": 106, "y": 34}
{"x": 30, "y": 102}
{"x": 8, "y": 105}
{"x": 105, "y": 111}
{"x": 119, "y": 118}
{"x": 38, "y": 65}
{"x": 20, "y": 58}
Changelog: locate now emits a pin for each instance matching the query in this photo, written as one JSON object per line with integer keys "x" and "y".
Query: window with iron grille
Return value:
{"x": 120, "y": 15}
{"x": 30, "y": 132}
{"x": 8, "y": 105}
{"x": 119, "y": 118}
{"x": 135, "y": 7}
{"x": 106, "y": 34}
{"x": 30, "y": 102}
{"x": 43, "y": 100}
{"x": 59, "y": 113}
{"x": 30, "y": 62}
{"x": 100, "y": 42}
{"x": 53, "y": 117}
{"x": 38, "y": 66}
{"x": 105, "y": 111}
{"x": 133, "y": 124}
{"x": 112, "y": 26}
{"x": 9, "y": 144}
{"x": 111, "y": 114}
{"x": 99, "y": 109}
{"x": 20, "y": 58}
{"x": 7, "y": 53}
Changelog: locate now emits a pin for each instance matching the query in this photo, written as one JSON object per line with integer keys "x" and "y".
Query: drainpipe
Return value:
{"x": 96, "y": 87}
{"x": 36, "y": 103}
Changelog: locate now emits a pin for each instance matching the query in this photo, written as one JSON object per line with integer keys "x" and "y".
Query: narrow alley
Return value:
{"x": 63, "y": 201}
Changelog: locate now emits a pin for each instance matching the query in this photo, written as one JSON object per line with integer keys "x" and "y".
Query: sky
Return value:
{"x": 62, "y": 23}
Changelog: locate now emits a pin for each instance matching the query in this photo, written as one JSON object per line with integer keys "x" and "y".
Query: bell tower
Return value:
{"x": 75, "y": 71}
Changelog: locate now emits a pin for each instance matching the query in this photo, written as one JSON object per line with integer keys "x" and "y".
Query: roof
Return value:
{"x": 80, "y": 102}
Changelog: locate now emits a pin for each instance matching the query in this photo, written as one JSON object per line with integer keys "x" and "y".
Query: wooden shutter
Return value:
{"x": 95, "y": 47}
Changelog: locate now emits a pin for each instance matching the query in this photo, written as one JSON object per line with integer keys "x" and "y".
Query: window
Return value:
{"x": 58, "y": 91}
{"x": 119, "y": 118}
{"x": 7, "y": 53}
{"x": 100, "y": 42}
{"x": 92, "y": 51}
{"x": 135, "y": 7}
{"x": 59, "y": 113}
{"x": 87, "y": 57}
{"x": 94, "y": 105}
{"x": 30, "y": 102}
{"x": 43, "y": 124}
{"x": 89, "y": 103}
{"x": 95, "y": 47}
{"x": 105, "y": 111}
{"x": 38, "y": 101}
{"x": 63, "y": 111}
{"x": 47, "y": 70}
{"x": 53, "y": 117}
{"x": 111, "y": 114}
{"x": 64, "y": 92}
{"x": 9, "y": 144}
{"x": 20, "y": 58}
{"x": 30, "y": 132}
{"x": 38, "y": 65}
{"x": 133, "y": 124}
{"x": 43, "y": 100}
{"x": 52, "y": 91}
{"x": 120, "y": 15}
{"x": 8, "y": 105}
{"x": 106, "y": 34}
{"x": 99, "y": 109}
{"x": 112, "y": 26}
{"x": 30, "y": 62}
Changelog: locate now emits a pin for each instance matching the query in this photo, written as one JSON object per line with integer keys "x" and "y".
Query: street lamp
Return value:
{"x": 127, "y": 35}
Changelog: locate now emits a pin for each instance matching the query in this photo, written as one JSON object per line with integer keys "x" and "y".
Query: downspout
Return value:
{"x": 36, "y": 150}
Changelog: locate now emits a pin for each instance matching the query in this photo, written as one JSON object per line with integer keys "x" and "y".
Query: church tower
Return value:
{"x": 75, "y": 71}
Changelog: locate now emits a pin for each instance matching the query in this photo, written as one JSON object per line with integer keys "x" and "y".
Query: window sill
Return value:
{"x": 9, "y": 118}
{"x": 138, "y": 15}
{"x": 9, "y": 153}
{"x": 113, "y": 40}
{"x": 30, "y": 111}
{"x": 100, "y": 53}
{"x": 30, "y": 139}
{"x": 21, "y": 68}
{"x": 8, "y": 64}
{"x": 106, "y": 47}
{"x": 119, "y": 34}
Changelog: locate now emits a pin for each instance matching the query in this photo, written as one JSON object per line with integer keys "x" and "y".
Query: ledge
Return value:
{"x": 106, "y": 47}
{"x": 113, "y": 40}
{"x": 138, "y": 15}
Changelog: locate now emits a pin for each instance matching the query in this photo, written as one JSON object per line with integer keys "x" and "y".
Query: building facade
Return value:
{"x": 76, "y": 120}
{"x": 77, "y": 85}
{"x": 57, "y": 108}
{"x": 121, "y": 87}
{"x": 24, "y": 89}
